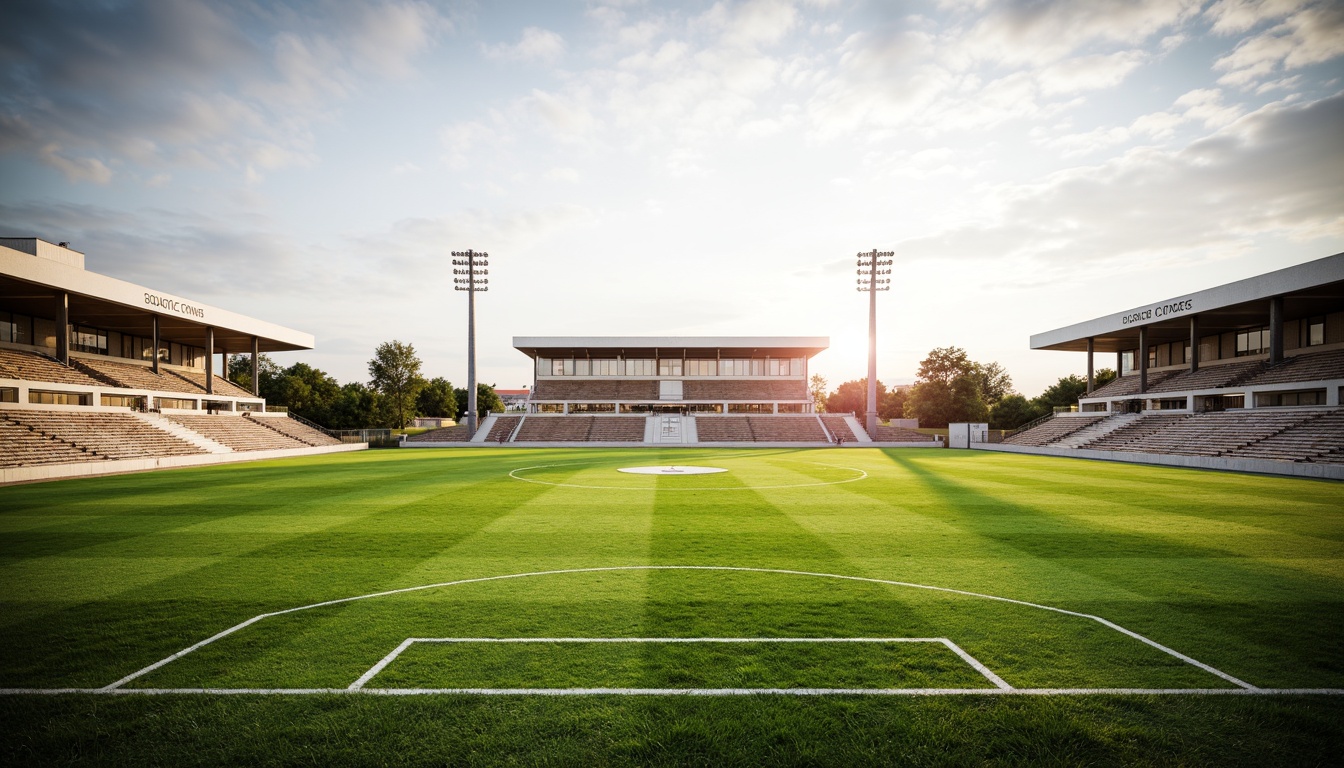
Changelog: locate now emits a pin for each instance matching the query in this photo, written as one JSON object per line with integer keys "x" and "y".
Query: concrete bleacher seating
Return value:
{"x": 30, "y": 366}
{"x": 503, "y": 428}
{"x": 885, "y": 434}
{"x": 839, "y": 427}
{"x": 134, "y": 376}
{"x": 723, "y": 429}
{"x": 1209, "y": 377}
{"x": 1129, "y": 384}
{"x": 1316, "y": 436}
{"x": 1052, "y": 430}
{"x": 543, "y": 429}
{"x": 1215, "y": 434}
{"x": 23, "y": 446}
{"x": 297, "y": 430}
{"x": 1132, "y": 436}
{"x": 786, "y": 429}
{"x": 453, "y": 434}
{"x": 222, "y": 385}
{"x": 237, "y": 432}
{"x": 110, "y": 435}
{"x": 1317, "y": 366}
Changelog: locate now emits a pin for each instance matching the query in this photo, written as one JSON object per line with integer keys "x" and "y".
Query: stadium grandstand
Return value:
{"x": 98, "y": 375}
{"x": 1247, "y": 376}
{"x": 737, "y": 390}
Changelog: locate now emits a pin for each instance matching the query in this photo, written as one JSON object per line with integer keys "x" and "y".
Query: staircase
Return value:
{"x": 182, "y": 433}
{"x": 1094, "y": 431}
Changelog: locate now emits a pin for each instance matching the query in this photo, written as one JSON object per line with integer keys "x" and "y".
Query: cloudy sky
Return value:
{"x": 652, "y": 168}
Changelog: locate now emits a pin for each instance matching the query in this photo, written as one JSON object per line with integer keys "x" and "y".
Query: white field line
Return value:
{"x": 676, "y": 691}
{"x": 389, "y": 658}
{"x": 742, "y": 569}
{"x": 862, "y": 475}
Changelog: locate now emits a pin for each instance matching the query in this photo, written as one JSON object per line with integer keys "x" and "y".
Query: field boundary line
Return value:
{"x": 740, "y": 569}
{"x": 673, "y": 691}
{"x": 408, "y": 642}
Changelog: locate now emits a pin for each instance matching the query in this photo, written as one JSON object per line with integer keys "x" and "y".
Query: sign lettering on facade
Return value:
{"x": 1158, "y": 311}
{"x": 173, "y": 305}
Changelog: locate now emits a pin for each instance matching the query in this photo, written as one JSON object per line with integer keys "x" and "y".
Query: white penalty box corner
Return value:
{"x": 383, "y": 663}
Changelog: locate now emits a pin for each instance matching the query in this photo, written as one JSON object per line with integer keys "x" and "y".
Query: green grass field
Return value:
{"x": 887, "y": 562}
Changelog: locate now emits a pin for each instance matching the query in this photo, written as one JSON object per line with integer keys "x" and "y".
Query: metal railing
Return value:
{"x": 1029, "y": 425}
{"x": 312, "y": 424}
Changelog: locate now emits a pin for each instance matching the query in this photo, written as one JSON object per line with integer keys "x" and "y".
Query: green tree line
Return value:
{"x": 950, "y": 387}
{"x": 395, "y": 394}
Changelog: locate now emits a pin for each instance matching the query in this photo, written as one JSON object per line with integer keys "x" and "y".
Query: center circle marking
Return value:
{"x": 672, "y": 470}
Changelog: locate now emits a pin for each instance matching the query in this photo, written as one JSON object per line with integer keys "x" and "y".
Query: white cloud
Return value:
{"x": 535, "y": 44}
{"x": 568, "y": 175}
{"x": 76, "y": 168}
{"x": 1306, "y": 36}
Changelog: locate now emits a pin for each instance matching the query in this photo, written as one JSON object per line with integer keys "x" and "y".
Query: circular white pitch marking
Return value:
{"x": 516, "y": 474}
{"x": 675, "y": 470}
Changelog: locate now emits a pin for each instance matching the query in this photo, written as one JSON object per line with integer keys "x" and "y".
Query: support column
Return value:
{"x": 256, "y": 367}
{"x": 1276, "y": 330}
{"x": 1119, "y": 363}
{"x": 154, "y": 358}
{"x": 1143, "y": 359}
{"x": 1194, "y": 343}
{"x": 1091, "y": 378}
{"x": 210, "y": 360}
{"x": 63, "y": 327}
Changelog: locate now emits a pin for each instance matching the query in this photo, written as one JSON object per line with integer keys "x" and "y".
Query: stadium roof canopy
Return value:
{"x": 34, "y": 273}
{"x": 1316, "y": 287}
{"x": 654, "y": 346}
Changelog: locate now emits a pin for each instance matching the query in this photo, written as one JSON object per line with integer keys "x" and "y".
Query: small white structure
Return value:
{"x": 963, "y": 434}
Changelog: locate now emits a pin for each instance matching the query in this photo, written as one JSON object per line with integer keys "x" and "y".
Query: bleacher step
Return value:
{"x": 1094, "y": 431}
{"x": 182, "y": 433}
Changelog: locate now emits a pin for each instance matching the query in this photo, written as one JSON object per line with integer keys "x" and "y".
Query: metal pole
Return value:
{"x": 871, "y": 419}
{"x": 471, "y": 343}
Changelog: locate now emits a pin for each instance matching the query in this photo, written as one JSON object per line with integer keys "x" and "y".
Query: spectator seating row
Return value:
{"x": 1052, "y": 430}
{"x": 297, "y": 430}
{"x": 886, "y": 434}
{"x": 1212, "y": 376}
{"x": 237, "y": 432}
{"x": 503, "y": 428}
{"x": 839, "y": 427}
{"x": 1282, "y": 434}
{"x": 134, "y": 376}
{"x": 1317, "y": 366}
{"x": 31, "y": 366}
{"x": 23, "y": 446}
{"x": 766, "y": 429}
{"x": 453, "y": 434}
{"x": 109, "y": 435}
{"x": 1129, "y": 384}
{"x": 541, "y": 429}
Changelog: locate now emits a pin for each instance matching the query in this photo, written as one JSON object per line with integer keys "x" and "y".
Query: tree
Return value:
{"x": 1013, "y": 411}
{"x": 1064, "y": 392}
{"x": 993, "y": 381}
{"x": 486, "y": 401}
{"x": 852, "y": 396}
{"x": 945, "y": 365}
{"x": 1104, "y": 376}
{"x": 356, "y": 407}
{"x": 892, "y": 405}
{"x": 307, "y": 391}
{"x": 437, "y": 399}
{"x": 240, "y": 373}
{"x": 395, "y": 373}
{"x": 948, "y": 388}
{"x": 817, "y": 389}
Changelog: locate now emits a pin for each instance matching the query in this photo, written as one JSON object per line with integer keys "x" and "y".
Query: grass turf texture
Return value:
{"x": 101, "y": 577}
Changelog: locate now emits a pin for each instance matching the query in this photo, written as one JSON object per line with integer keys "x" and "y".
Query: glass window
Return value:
{"x": 702, "y": 367}
{"x": 583, "y": 367}
{"x": 606, "y": 367}
{"x": 669, "y": 366}
{"x": 1252, "y": 342}
{"x": 9, "y": 394}
{"x": 543, "y": 366}
{"x": 175, "y": 402}
{"x": 641, "y": 367}
{"x": 44, "y": 397}
{"x": 1315, "y": 331}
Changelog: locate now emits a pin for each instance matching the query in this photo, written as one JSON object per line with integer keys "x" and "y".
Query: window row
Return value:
{"x": 671, "y": 366}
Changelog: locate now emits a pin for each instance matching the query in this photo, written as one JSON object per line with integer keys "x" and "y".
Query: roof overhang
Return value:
{"x": 1316, "y": 287}
{"x": 686, "y": 346}
{"x": 29, "y": 285}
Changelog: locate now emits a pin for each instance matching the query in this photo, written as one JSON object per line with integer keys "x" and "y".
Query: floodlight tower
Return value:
{"x": 871, "y": 266}
{"x": 469, "y": 274}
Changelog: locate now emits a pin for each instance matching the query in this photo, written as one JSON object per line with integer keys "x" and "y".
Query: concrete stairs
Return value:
{"x": 1095, "y": 431}
{"x": 182, "y": 433}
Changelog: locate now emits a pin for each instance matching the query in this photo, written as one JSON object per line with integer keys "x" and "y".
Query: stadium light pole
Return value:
{"x": 470, "y": 275}
{"x": 870, "y": 270}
